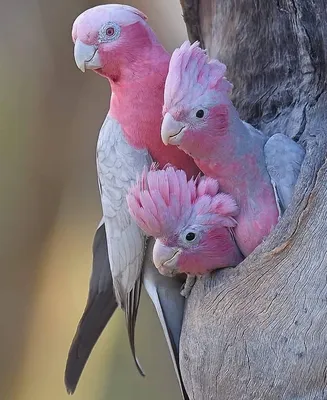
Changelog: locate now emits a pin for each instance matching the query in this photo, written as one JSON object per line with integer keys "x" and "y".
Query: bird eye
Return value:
{"x": 190, "y": 236}
{"x": 110, "y": 31}
{"x": 199, "y": 114}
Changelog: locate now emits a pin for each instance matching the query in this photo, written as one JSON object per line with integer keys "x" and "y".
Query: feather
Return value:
{"x": 169, "y": 304}
{"x": 283, "y": 160}
{"x": 126, "y": 241}
{"x": 191, "y": 75}
{"x": 260, "y": 172}
{"x": 134, "y": 123}
{"x": 100, "y": 306}
{"x": 193, "y": 200}
{"x": 131, "y": 310}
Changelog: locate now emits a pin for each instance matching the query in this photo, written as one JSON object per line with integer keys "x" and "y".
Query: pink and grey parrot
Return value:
{"x": 199, "y": 117}
{"x": 191, "y": 221}
{"x": 117, "y": 43}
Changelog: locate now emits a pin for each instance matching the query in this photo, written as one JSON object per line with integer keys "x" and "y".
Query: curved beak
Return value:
{"x": 171, "y": 130}
{"x": 86, "y": 56}
{"x": 166, "y": 258}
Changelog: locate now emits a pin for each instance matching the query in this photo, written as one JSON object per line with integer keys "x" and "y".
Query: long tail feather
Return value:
{"x": 101, "y": 304}
{"x": 132, "y": 305}
{"x": 169, "y": 304}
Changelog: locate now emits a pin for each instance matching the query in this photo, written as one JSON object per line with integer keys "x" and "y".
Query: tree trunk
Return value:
{"x": 259, "y": 331}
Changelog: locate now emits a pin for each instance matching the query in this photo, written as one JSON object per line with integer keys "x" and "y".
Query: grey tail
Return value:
{"x": 101, "y": 304}
{"x": 172, "y": 334}
{"x": 169, "y": 304}
{"x": 131, "y": 310}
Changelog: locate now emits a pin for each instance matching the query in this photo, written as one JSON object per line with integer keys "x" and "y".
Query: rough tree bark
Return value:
{"x": 259, "y": 331}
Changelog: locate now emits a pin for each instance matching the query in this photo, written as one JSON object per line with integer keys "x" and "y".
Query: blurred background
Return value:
{"x": 50, "y": 117}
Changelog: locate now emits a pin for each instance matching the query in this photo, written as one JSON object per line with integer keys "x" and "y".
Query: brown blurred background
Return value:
{"x": 49, "y": 119}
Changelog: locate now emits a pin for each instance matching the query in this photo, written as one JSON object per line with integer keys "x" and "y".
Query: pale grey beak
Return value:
{"x": 86, "y": 56}
{"x": 171, "y": 130}
{"x": 165, "y": 258}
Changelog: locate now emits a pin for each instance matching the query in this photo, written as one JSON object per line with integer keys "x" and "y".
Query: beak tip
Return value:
{"x": 171, "y": 128}
{"x": 86, "y": 56}
{"x": 165, "y": 258}
{"x": 164, "y": 138}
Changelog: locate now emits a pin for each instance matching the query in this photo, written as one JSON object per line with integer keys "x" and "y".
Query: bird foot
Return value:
{"x": 188, "y": 285}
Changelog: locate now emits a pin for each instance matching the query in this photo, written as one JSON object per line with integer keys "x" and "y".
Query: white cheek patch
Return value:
{"x": 109, "y": 32}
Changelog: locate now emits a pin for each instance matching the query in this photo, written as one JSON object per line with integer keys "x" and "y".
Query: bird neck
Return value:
{"x": 236, "y": 158}
{"x": 137, "y": 95}
{"x": 136, "y": 103}
{"x": 136, "y": 67}
{"x": 239, "y": 166}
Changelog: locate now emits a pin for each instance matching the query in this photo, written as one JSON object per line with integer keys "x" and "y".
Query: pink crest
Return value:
{"x": 160, "y": 199}
{"x": 192, "y": 74}
{"x": 163, "y": 201}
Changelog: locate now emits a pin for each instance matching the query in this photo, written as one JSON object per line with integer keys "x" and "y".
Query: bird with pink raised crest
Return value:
{"x": 260, "y": 172}
{"x": 191, "y": 220}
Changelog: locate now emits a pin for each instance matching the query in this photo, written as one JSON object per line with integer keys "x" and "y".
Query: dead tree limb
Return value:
{"x": 259, "y": 331}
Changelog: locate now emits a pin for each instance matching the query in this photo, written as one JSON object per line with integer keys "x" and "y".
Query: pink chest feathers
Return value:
{"x": 258, "y": 209}
{"x": 140, "y": 116}
{"x": 258, "y": 216}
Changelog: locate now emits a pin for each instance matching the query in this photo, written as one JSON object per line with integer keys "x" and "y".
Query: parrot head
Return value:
{"x": 106, "y": 37}
{"x": 191, "y": 221}
{"x": 196, "y": 100}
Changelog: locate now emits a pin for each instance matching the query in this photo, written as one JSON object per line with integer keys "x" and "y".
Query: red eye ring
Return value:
{"x": 110, "y": 31}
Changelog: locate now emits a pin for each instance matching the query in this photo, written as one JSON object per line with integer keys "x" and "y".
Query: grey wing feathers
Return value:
{"x": 283, "y": 160}
{"x": 101, "y": 304}
{"x": 131, "y": 310}
{"x": 169, "y": 304}
{"x": 118, "y": 164}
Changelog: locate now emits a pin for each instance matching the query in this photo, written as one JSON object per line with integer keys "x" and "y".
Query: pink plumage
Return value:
{"x": 191, "y": 75}
{"x": 163, "y": 200}
{"x": 200, "y": 119}
{"x": 136, "y": 65}
{"x": 168, "y": 206}
{"x": 116, "y": 42}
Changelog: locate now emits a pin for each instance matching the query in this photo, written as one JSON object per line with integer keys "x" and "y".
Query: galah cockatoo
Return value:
{"x": 117, "y": 43}
{"x": 191, "y": 221}
{"x": 199, "y": 117}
